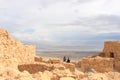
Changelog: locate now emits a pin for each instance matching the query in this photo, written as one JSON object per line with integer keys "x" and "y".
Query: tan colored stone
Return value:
{"x": 69, "y": 66}
{"x": 35, "y": 67}
{"x": 7, "y": 61}
{"x": 54, "y": 60}
{"x": 15, "y": 49}
{"x": 102, "y": 76}
{"x": 67, "y": 78}
{"x": 63, "y": 73}
{"x": 7, "y": 73}
{"x": 112, "y": 50}
{"x": 78, "y": 64}
{"x": 24, "y": 76}
{"x": 59, "y": 66}
{"x": 99, "y": 64}
{"x": 38, "y": 59}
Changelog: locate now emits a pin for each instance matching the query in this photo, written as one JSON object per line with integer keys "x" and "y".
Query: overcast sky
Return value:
{"x": 62, "y": 24}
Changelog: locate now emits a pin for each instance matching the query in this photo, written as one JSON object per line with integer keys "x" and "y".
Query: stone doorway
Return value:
{"x": 111, "y": 54}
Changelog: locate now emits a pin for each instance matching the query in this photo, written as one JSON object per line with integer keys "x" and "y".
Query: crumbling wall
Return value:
{"x": 99, "y": 64}
{"x": 15, "y": 49}
{"x": 112, "y": 50}
{"x": 34, "y": 68}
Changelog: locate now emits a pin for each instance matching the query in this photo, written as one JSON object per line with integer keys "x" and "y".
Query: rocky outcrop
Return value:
{"x": 15, "y": 49}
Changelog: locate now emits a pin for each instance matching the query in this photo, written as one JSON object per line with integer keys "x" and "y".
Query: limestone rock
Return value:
{"x": 59, "y": 66}
{"x": 103, "y": 76}
{"x": 24, "y": 76}
{"x": 67, "y": 78}
{"x": 7, "y": 61}
{"x": 7, "y": 73}
{"x": 35, "y": 67}
{"x": 98, "y": 63}
{"x": 46, "y": 75}
{"x": 69, "y": 66}
{"x": 78, "y": 64}
{"x": 112, "y": 50}
{"x": 15, "y": 49}
{"x": 38, "y": 59}
{"x": 63, "y": 73}
{"x": 54, "y": 60}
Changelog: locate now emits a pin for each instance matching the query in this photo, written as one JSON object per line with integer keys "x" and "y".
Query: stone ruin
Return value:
{"x": 19, "y": 62}
{"x": 13, "y": 51}
{"x": 112, "y": 50}
{"x": 107, "y": 60}
{"x": 99, "y": 64}
{"x": 15, "y": 54}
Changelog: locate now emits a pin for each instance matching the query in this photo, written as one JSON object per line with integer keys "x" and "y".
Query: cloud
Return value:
{"x": 60, "y": 20}
{"x": 100, "y": 24}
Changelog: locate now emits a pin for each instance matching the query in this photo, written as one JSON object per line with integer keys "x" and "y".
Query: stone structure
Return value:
{"x": 36, "y": 67}
{"x": 109, "y": 61}
{"x": 15, "y": 49}
{"x": 112, "y": 50}
{"x": 18, "y": 62}
{"x": 99, "y": 64}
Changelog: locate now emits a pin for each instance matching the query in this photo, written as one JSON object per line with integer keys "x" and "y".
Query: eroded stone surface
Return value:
{"x": 15, "y": 49}
{"x": 98, "y": 63}
{"x": 112, "y": 50}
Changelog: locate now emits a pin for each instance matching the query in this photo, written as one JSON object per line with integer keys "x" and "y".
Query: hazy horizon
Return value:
{"x": 81, "y": 25}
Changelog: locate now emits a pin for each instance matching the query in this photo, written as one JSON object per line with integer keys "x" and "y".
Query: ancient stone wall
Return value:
{"x": 112, "y": 50}
{"x": 34, "y": 68}
{"x": 99, "y": 64}
{"x": 15, "y": 49}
